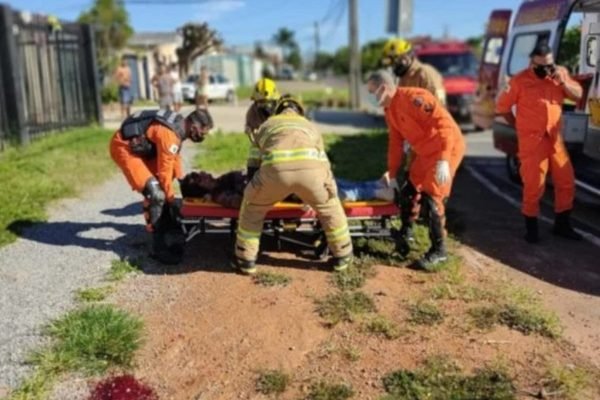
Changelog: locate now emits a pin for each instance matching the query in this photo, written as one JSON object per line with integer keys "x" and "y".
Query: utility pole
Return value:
{"x": 317, "y": 43}
{"x": 355, "y": 75}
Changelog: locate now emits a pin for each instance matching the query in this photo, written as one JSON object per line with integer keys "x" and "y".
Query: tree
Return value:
{"x": 341, "y": 61}
{"x": 371, "y": 54}
{"x": 323, "y": 61}
{"x": 291, "y": 51}
{"x": 568, "y": 53}
{"x": 198, "y": 39}
{"x": 111, "y": 23}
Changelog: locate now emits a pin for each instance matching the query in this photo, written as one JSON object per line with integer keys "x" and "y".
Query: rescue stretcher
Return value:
{"x": 293, "y": 223}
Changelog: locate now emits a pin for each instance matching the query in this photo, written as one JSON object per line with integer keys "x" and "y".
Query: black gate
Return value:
{"x": 49, "y": 75}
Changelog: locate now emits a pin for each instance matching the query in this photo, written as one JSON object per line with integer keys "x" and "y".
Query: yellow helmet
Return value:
{"x": 287, "y": 101}
{"x": 395, "y": 47}
{"x": 265, "y": 89}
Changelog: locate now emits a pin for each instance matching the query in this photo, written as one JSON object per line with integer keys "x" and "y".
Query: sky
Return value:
{"x": 244, "y": 22}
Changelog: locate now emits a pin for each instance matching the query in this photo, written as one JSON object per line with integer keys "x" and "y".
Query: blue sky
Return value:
{"x": 243, "y": 22}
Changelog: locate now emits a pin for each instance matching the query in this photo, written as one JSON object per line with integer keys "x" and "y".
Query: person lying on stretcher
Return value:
{"x": 228, "y": 189}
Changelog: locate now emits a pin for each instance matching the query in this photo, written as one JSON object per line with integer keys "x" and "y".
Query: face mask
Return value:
{"x": 542, "y": 71}
{"x": 402, "y": 66}
{"x": 373, "y": 101}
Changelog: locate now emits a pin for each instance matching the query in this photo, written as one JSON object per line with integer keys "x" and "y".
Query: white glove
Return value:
{"x": 390, "y": 183}
{"x": 442, "y": 172}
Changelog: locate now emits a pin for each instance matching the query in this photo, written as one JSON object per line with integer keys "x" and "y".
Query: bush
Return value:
{"x": 110, "y": 93}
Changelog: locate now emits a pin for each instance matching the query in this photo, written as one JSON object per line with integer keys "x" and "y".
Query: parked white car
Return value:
{"x": 219, "y": 88}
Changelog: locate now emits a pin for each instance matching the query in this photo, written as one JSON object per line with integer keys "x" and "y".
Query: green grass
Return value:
{"x": 272, "y": 382}
{"x": 222, "y": 152}
{"x": 93, "y": 294}
{"x": 569, "y": 382}
{"x": 355, "y": 276}
{"x": 119, "y": 269}
{"x": 523, "y": 318}
{"x": 382, "y": 326}
{"x": 244, "y": 92}
{"x": 266, "y": 278}
{"x": 91, "y": 340}
{"x": 519, "y": 309}
{"x": 327, "y": 391}
{"x": 440, "y": 379}
{"x": 425, "y": 313}
{"x": 50, "y": 168}
{"x": 324, "y": 98}
{"x": 344, "y": 307}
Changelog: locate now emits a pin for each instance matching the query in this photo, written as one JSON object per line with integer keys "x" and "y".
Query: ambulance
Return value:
{"x": 508, "y": 41}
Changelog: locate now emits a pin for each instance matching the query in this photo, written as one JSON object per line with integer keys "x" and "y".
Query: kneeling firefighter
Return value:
{"x": 293, "y": 161}
{"x": 416, "y": 116}
{"x": 264, "y": 98}
{"x": 147, "y": 149}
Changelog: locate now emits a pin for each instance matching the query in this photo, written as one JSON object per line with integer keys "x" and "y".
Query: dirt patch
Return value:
{"x": 210, "y": 332}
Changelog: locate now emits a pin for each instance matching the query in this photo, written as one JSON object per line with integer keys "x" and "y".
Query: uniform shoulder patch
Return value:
{"x": 418, "y": 101}
{"x": 173, "y": 149}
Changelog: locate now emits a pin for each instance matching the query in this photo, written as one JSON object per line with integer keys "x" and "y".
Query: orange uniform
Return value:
{"x": 415, "y": 115}
{"x": 166, "y": 165}
{"x": 539, "y": 111}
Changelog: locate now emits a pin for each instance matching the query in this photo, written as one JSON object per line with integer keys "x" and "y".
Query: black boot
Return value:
{"x": 244, "y": 266}
{"x": 437, "y": 252}
{"x": 342, "y": 263}
{"x": 161, "y": 251}
{"x": 563, "y": 228}
{"x": 405, "y": 239}
{"x": 531, "y": 230}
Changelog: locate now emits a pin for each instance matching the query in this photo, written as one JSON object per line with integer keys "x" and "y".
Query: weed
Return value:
{"x": 569, "y": 382}
{"x": 272, "y": 382}
{"x": 93, "y": 294}
{"x": 266, "y": 278}
{"x": 355, "y": 276}
{"x": 381, "y": 326}
{"x": 350, "y": 353}
{"x": 34, "y": 387}
{"x": 424, "y": 313}
{"x": 525, "y": 319}
{"x": 344, "y": 306}
{"x": 92, "y": 340}
{"x": 119, "y": 269}
{"x": 327, "y": 391}
{"x": 440, "y": 379}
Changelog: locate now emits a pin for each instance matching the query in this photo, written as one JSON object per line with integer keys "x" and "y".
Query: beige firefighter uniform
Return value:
{"x": 293, "y": 160}
{"x": 424, "y": 76}
{"x": 254, "y": 120}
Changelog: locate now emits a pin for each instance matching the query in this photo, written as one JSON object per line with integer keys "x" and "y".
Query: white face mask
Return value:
{"x": 373, "y": 100}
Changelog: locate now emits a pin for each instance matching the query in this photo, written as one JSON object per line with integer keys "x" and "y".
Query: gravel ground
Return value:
{"x": 73, "y": 250}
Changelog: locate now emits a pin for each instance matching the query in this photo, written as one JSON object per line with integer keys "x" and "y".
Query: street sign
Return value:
{"x": 399, "y": 17}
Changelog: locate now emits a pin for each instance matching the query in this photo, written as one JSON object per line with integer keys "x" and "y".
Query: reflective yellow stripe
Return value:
{"x": 280, "y": 156}
{"x": 338, "y": 234}
{"x": 248, "y": 236}
{"x": 268, "y": 132}
{"x": 254, "y": 152}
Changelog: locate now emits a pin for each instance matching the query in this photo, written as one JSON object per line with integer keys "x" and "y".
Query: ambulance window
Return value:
{"x": 521, "y": 48}
{"x": 591, "y": 51}
{"x": 493, "y": 51}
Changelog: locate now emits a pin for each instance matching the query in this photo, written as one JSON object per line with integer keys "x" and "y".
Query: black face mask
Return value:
{"x": 401, "y": 67}
{"x": 265, "y": 110}
{"x": 542, "y": 71}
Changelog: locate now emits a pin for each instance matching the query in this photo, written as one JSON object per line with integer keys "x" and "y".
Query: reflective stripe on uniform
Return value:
{"x": 254, "y": 153}
{"x": 338, "y": 234}
{"x": 248, "y": 236}
{"x": 281, "y": 156}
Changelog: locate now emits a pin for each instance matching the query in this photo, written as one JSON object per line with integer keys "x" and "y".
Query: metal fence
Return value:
{"x": 48, "y": 75}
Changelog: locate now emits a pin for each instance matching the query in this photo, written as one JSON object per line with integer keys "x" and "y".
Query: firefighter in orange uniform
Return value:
{"x": 147, "y": 148}
{"x": 416, "y": 116}
{"x": 538, "y": 93}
